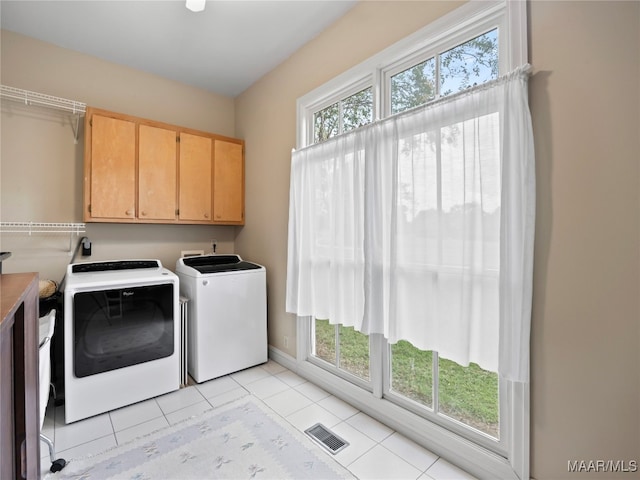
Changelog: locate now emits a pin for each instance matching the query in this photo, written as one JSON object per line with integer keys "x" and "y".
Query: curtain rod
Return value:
{"x": 35, "y": 98}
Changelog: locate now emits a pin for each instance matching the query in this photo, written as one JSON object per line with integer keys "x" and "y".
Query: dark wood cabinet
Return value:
{"x": 19, "y": 409}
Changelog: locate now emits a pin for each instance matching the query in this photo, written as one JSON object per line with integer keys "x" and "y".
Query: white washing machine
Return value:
{"x": 227, "y": 314}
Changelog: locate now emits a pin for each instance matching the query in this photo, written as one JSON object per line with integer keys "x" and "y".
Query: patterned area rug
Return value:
{"x": 242, "y": 439}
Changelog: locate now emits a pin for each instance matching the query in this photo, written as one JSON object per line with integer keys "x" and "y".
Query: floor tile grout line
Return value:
{"x": 367, "y": 435}
{"x": 113, "y": 427}
{"x": 362, "y": 454}
{"x": 61, "y": 452}
{"x": 432, "y": 464}
{"x": 422, "y": 472}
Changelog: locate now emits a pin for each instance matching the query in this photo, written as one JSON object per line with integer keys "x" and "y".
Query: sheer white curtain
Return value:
{"x": 420, "y": 227}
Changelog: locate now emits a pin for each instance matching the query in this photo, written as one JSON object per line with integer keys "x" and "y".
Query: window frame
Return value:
{"x": 511, "y": 459}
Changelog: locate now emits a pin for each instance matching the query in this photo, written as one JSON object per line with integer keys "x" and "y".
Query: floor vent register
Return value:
{"x": 326, "y": 438}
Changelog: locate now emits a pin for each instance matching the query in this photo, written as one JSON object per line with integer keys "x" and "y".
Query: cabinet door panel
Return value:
{"x": 195, "y": 177}
{"x": 157, "y": 182}
{"x": 228, "y": 178}
{"x": 113, "y": 168}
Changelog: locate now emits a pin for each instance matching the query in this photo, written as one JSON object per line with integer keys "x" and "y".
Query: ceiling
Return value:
{"x": 223, "y": 49}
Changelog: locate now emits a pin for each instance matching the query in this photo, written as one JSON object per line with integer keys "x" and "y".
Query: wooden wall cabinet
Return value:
{"x": 228, "y": 201}
{"x": 157, "y": 173}
{"x": 141, "y": 171}
{"x": 113, "y": 172}
{"x": 196, "y": 178}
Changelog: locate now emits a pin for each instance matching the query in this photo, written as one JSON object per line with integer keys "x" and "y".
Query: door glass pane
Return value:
{"x": 412, "y": 373}
{"x": 326, "y": 123}
{"x": 325, "y": 341}
{"x": 470, "y": 395}
{"x": 357, "y": 110}
{"x": 472, "y": 63}
{"x": 354, "y": 352}
{"x": 414, "y": 86}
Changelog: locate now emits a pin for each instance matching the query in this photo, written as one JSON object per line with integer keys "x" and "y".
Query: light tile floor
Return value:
{"x": 375, "y": 451}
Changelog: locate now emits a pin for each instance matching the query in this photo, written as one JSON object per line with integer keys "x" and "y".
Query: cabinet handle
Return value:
{"x": 129, "y": 212}
{"x": 206, "y": 215}
{"x": 143, "y": 213}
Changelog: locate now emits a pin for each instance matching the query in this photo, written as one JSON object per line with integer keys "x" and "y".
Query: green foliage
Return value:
{"x": 413, "y": 87}
{"x": 325, "y": 347}
{"x": 469, "y": 394}
{"x": 326, "y": 123}
{"x": 412, "y": 372}
{"x": 357, "y": 110}
{"x": 354, "y": 348}
{"x": 354, "y": 352}
{"x": 472, "y": 63}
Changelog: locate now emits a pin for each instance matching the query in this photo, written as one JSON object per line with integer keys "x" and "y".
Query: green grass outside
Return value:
{"x": 354, "y": 348}
{"x": 468, "y": 394}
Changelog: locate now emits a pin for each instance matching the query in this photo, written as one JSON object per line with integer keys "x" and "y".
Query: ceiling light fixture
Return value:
{"x": 196, "y": 5}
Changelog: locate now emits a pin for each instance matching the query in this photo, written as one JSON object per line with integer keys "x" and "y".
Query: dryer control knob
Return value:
{"x": 205, "y": 282}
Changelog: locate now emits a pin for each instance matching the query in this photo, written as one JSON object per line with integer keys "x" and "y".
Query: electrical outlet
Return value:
{"x": 286, "y": 342}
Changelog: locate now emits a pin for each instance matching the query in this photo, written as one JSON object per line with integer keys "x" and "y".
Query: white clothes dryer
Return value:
{"x": 121, "y": 335}
{"x": 227, "y": 314}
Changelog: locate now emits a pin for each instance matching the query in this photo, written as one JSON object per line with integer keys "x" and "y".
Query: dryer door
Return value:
{"x": 121, "y": 327}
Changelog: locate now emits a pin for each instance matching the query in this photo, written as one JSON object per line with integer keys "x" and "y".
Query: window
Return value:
{"x": 471, "y": 63}
{"x": 467, "y": 399}
{"x": 467, "y": 395}
{"x": 351, "y": 112}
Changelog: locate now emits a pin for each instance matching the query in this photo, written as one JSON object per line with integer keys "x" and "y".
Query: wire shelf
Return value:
{"x": 38, "y": 227}
{"x": 77, "y": 109}
{"x": 35, "y": 98}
